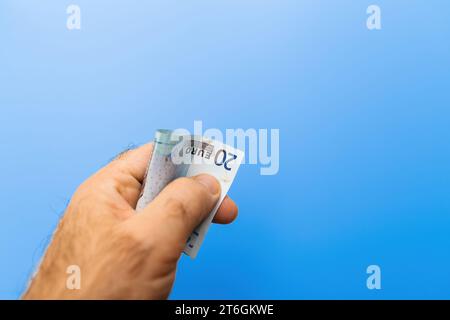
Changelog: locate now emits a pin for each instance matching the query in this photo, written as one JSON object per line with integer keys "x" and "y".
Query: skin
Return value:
{"x": 121, "y": 254}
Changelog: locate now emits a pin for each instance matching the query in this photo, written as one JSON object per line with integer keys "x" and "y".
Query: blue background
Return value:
{"x": 363, "y": 115}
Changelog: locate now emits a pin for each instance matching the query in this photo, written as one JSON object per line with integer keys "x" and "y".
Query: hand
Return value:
{"x": 121, "y": 254}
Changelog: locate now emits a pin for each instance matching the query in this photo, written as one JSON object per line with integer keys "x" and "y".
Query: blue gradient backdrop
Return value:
{"x": 363, "y": 115}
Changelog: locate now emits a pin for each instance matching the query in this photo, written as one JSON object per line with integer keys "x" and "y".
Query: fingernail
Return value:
{"x": 209, "y": 182}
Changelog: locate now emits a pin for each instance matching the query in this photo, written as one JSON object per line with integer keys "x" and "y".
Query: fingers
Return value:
{"x": 125, "y": 174}
{"x": 180, "y": 207}
{"x": 128, "y": 171}
{"x": 227, "y": 211}
{"x": 134, "y": 162}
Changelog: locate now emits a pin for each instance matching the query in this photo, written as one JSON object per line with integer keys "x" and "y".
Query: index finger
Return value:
{"x": 134, "y": 162}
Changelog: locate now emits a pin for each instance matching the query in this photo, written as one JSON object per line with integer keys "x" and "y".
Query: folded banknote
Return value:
{"x": 177, "y": 156}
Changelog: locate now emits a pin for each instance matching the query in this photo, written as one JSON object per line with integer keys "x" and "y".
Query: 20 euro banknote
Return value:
{"x": 186, "y": 156}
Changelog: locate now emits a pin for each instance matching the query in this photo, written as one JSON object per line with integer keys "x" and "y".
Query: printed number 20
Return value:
{"x": 224, "y": 158}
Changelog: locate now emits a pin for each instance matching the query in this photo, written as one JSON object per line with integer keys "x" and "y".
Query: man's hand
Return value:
{"x": 121, "y": 254}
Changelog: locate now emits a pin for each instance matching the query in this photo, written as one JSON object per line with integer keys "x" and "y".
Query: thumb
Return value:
{"x": 180, "y": 207}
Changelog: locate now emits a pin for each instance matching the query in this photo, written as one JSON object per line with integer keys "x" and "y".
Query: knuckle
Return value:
{"x": 183, "y": 183}
{"x": 175, "y": 208}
